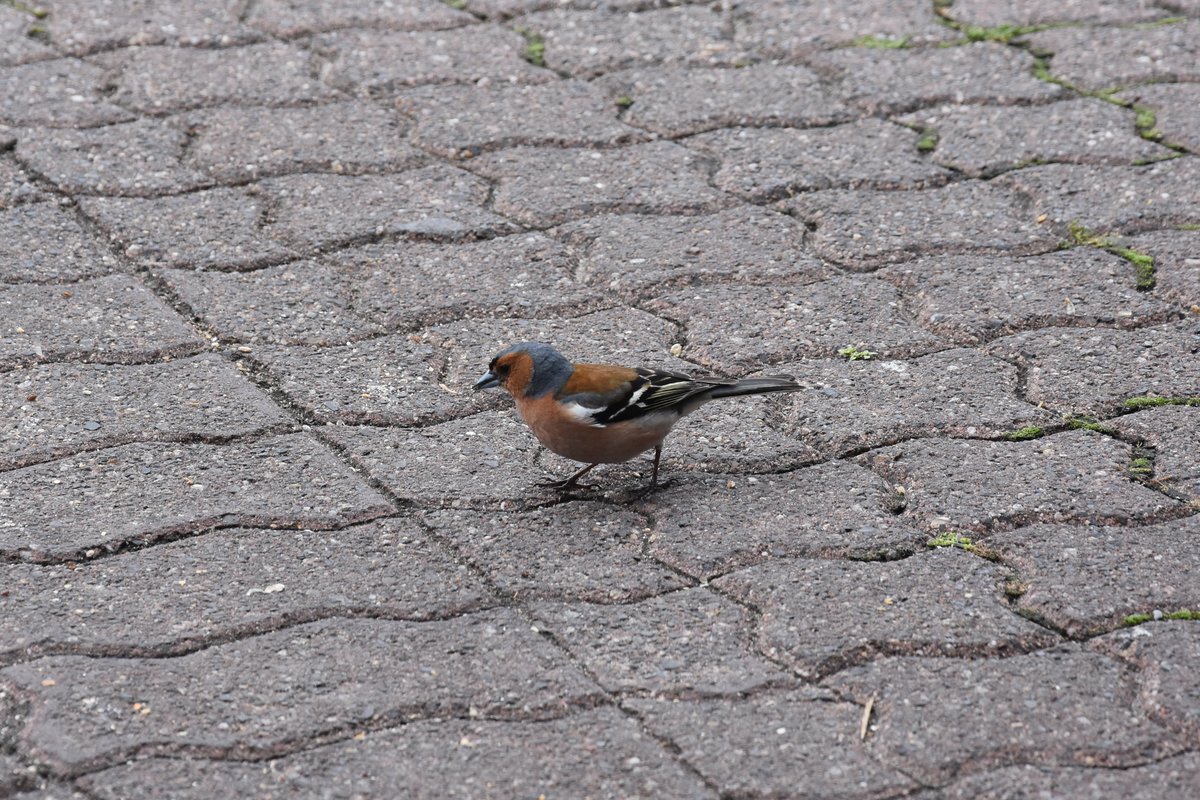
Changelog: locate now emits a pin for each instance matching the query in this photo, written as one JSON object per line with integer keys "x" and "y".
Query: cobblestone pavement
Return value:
{"x": 259, "y": 539}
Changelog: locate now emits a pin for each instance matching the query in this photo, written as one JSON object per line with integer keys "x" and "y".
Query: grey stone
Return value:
{"x": 148, "y": 492}
{"x": 232, "y": 583}
{"x": 1089, "y": 371}
{"x": 1104, "y": 57}
{"x": 85, "y": 26}
{"x": 1076, "y": 476}
{"x": 685, "y": 643}
{"x": 1174, "y": 432}
{"x": 329, "y": 675}
{"x": 18, "y": 44}
{"x": 1176, "y": 108}
{"x": 543, "y": 186}
{"x": 763, "y": 164}
{"x": 113, "y": 320}
{"x": 847, "y": 406}
{"x": 43, "y": 242}
{"x": 633, "y": 254}
{"x": 1085, "y": 580}
{"x": 1163, "y": 653}
{"x": 675, "y": 101}
{"x": 830, "y": 510}
{"x": 61, "y": 409}
{"x": 863, "y": 229}
{"x": 1170, "y": 777}
{"x": 1176, "y": 257}
{"x": 798, "y": 27}
{"x": 992, "y": 14}
{"x": 975, "y": 298}
{"x": 44, "y": 92}
{"x": 16, "y": 187}
{"x": 289, "y": 18}
{"x": 736, "y": 328}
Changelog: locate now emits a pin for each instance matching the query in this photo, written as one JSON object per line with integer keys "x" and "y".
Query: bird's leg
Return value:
{"x": 654, "y": 484}
{"x": 570, "y": 483}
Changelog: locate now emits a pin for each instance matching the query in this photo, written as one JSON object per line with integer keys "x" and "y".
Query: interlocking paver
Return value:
{"x": 289, "y": 18}
{"x": 173, "y": 597}
{"x": 632, "y": 254}
{"x": 1086, "y": 579}
{"x": 380, "y": 62}
{"x": 1104, "y": 57}
{"x": 45, "y": 92}
{"x": 82, "y": 27}
{"x": 848, "y": 406}
{"x": 976, "y": 298}
{"x": 1170, "y": 777}
{"x": 674, "y": 101}
{"x": 18, "y": 45}
{"x": 114, "y": 319}
{"x": 332, "y": 675}
{"x": 575, "y": 551}
{"x": 16, "y": 187}
{"x": 142, "y": 493}
{"x": 239, "y": 144}
{"x": 1074, "y": 476}
{"x": 690, "y": 642}
{"x": 829, "y": 510}
{"x": 586, "y": 43}
{"x": 864, "y": 229}
{"x": 994, "y": 13}
{"x": 1176, "y": 108}
{"x": 134, "y": 158}
{"x": 1176, "y": 257}
{"x": 790, "y": 28}
{"x": 458, "y": 121}
{"x": 1088, "y": 371}
{"x": 1163, "y": 652}
{"x": 1057, "y": 707}
{"x": 1128, "y": 199}
{"x": 985, "y": 140}
{"x": 594, "y": 753}
{"x": 1174, "y": 432}
{"x": 542, "y": 186}
{"x": 763, "y": 164}
{"x": 44, "y": 242}
{"x": 59, "y": 409}
{"x": 777, "y": 323}
{"x": 769, "y": 744}
{"x": 889, "y": 81}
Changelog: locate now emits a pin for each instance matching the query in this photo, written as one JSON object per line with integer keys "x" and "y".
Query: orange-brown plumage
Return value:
{"x": 597, "y": 378}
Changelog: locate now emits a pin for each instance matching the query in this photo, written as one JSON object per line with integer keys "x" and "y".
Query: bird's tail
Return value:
{"x": 763, "y": 385}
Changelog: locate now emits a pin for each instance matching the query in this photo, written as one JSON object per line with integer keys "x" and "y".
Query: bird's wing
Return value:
{"x": 649, "y": 391}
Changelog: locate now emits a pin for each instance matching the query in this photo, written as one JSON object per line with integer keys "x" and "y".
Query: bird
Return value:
{"x": 605, "y": 413}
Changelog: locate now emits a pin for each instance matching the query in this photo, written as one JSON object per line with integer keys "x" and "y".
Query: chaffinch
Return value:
{"x": 602, "y": 413}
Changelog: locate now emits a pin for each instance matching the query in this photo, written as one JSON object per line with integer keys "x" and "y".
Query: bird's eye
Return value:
{"x": 502, "y": 369}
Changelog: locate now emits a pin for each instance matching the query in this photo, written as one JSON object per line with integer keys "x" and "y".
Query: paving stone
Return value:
{"x": 59, "y": 82}
{"x": 134, "y": 158}
{"x": 993, "y": 14}
{"x": 687, "y": 643}
{"x": 631, "y": 254}
{"x": 327, "y": 676}
{"x": 1103, "y": 199}
{"x": 743, "y": 327}
{"x": 141, "y": 493}
{"x": 43, "y": 242}
{"x": 170, "y": 598}
{"x": 211, "y": 228}
{"x": 1174, "y": 432}
{"x": 18, "y": 45}
{"x": 594, "y": 753}
{"x": 1086, "y": 579}
{"x": 1171, "y": 777}
{"x": 1176, "y": 257}
{"x": 830, "y": 510}
{"x": 588, "y": 43}
{"x": 820, "y": 616}
{"x": 1095, "y": 58}
{"x": 848, "y": 406}
{"x": 674, "y": 101}
{"x": 976, "y": 298}
{"x": 791, "y": 28}
{"x": 864, "y": 229}
{"x": 1165, "y": 654}
{"x": 1051, "y": 708}
{"x": 288, "y": 18}
{"x": 16, "y": 187}
{"x": 84, "y": 26}
{"x": 1176, "y": 108}
{"x": 575, "y": 551}
{"x": 764, "y": 164}
{"x": 372, "y": 62}
{"x": 77, "y": 407}
{"x": 544, "y": 186}
{"x": 1077, "y": 476}
{"x": 1089, "y": 371}
{"x": 772, "y": 744}
{"x": 889, "y": 81}
{"x": 238, "y": 144}
{"x": 155, "y": 80}
{"x": 985, "y": 140}
{"x": 113, "y": 320}
{"x": 457, "y": 121}
{"x": 312, "y": 211}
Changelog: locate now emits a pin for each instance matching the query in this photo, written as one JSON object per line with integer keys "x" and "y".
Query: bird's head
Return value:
{"x": 529, "y": 369}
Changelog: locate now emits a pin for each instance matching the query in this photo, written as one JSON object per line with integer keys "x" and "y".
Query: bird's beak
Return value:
{"x": 488, "y": 381}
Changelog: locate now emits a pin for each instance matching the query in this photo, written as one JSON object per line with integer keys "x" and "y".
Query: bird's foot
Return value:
{"x": 566, "y": 485}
